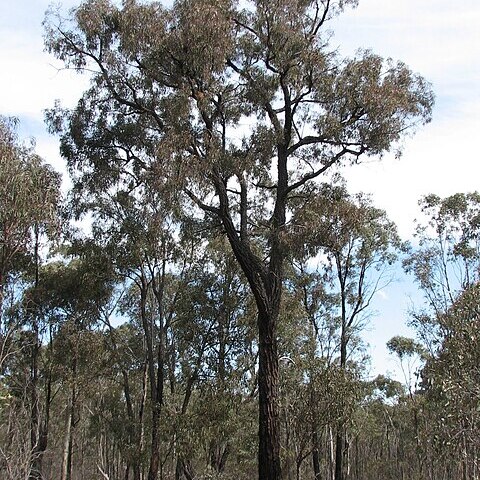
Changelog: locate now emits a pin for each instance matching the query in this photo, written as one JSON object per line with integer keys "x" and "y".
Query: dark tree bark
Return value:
{"x": 41, "y": 442}
{"x": 269, "y": 431}
{"x": 218, "y": 455}
{"x": 315, "y": 454}
{"x": 266, "y": 285}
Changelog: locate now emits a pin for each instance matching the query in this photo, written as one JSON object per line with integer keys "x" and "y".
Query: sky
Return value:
{"x": 439, "y": 39}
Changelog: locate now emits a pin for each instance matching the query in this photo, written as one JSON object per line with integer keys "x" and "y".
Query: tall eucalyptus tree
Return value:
{"x": 235, "y": 108}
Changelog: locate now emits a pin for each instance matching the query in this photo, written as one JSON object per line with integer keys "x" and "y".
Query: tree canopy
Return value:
{"x": 207, "y": 323}
{"x": 170, "y": 91}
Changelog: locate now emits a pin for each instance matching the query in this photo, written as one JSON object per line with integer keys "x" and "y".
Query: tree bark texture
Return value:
{"x": 339, "y": 453}
{"x": 315, "y": 454}
{"x": 269, "y": 438}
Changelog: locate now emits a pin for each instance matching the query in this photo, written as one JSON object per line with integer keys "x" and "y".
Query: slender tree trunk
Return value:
{"x": 357, "y": 459}
{"x": 1, "y": 295}
{"x": 464, "y": 457}
{"x": 141, "y": 413}
{"x": 134, "y": 430}
{"x": 44, "y": 426}
{"x": 332, "y": 453}
{"x": 315, "y": 454}
{"x": 155, "y": 363}
{"x": 35, "y": 466}
{"x": 298, "y": 471}
{"x": 184, "y": 470}
{"x": 340, "y": 437}
{"x": 68, "y": 443}
{"x": 38, "y": 428}
{"x": 339, "y": 454}
{"x": 155, "y": 381}
{"x": 218, "y": 455}
{"x": 155, "y": 447}
{"x": 219, "y": 448}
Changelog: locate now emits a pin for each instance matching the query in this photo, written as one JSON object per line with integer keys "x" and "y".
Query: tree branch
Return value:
{"x": 316, "y": 173}
{"x": 200, "y": 204}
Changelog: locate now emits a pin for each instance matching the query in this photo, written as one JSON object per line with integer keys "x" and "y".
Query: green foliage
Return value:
{"x": 387, "y": 388}
{"x": 404, "y": 347}
{"x": 171, "y": 75}
{"x": 452, "y": 377}
{"x": 206, "y": 118}
{"x": 29, "y": 202}
{"x": 448, "y": 258}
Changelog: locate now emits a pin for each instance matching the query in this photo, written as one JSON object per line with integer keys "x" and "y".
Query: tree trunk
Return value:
{"x": 315, "y": 454}
{"x": 158, "y": 382}
{"x": 39, "y": 424}
{"x": 332, "y": 453}
{"x": 1, "y": 294}
{"x": 42, "y": 441}
{"x": 35, "y": 466}
{"x": 339, "y": 447}
{"x": 269, "y": 428}
{"x": 266, "y": 283}
{"x": 68, "y": 444}
{"x": 218, "y": 453}
{"x": 339, "y": 454}
{"x": 155, "y": 378}
{"x": 155, "y": 447}
{"x": 134, "y": 431}
{"x": 183, "y": 470}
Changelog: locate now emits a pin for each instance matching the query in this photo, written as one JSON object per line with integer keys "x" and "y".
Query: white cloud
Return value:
{"x": 440, "y": 159}
{"x": 441, "y": 41}
{"x": 382, "y": 294}
{"x": 33, "y": 79}
{"x": 435, "y": 37}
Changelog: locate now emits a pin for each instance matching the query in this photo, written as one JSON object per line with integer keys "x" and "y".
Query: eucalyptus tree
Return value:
{"x": 445, "y": 265}
{"x": 29, "y": 201}
{"x": 380, "y": 445}
{"x": 64, "y": 305}
{"x": 447, "y": 259}
{"x": 410, "y": 353}
{"x": 238, "y": 107}
{"x": 186, "y": 302}
{"x": 136, "y": 233}
{"x": 223, "y": 322}
{"x": 118, "y": 410}
{"x": 363, "y": 243}
{"x": 29, "y": 210}
{"x": 451, "y": 389}
{"x": 356, "y": 244}
{"x": 74, "y": 293}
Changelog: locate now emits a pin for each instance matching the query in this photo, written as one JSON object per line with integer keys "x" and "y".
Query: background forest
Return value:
{"x": 192, "y": 307}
